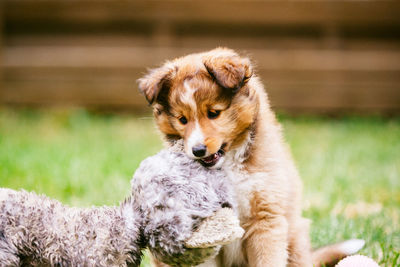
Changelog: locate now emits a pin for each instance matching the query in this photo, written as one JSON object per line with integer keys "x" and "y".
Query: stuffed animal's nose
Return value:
{"x": 199, "y": 150}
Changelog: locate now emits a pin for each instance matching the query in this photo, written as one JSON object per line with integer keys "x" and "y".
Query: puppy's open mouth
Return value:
{"x": 212, "y": 159}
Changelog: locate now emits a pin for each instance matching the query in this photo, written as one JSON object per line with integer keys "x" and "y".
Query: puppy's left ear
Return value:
{"x": 156, "y": 81}
{"x": 230, "y": 72}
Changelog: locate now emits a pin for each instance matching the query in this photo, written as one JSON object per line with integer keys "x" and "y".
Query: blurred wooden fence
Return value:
{"x": 313, "y": 55}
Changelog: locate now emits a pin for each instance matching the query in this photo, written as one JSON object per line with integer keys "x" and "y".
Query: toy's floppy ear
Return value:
{"x": 220, "y": 229}
{"x": 229, "y": 71}
{"x": 155, "y": 82}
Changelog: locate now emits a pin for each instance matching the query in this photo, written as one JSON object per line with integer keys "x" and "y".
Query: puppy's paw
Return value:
{"x": 220, "y": 229}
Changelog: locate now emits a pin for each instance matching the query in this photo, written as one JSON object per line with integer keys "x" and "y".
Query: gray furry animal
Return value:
{"x": 182, "y": 193}
{"x": 171, "y": 197}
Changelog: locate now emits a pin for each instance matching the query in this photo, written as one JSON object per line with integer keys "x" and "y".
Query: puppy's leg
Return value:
{"x": 266, "y": 238}
{"x": 299, "y": 244}
{"x": 266, "y": 245}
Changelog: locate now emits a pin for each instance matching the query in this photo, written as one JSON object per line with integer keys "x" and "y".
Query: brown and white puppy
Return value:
{"x": 215, "y": 103}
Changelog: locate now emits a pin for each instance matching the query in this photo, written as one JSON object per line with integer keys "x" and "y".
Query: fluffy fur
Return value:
{"x": 171, "y": 195}
{"x": 36, "y": 230}
{"x": 214, "y": 102}
{"x": 181, "y": 193}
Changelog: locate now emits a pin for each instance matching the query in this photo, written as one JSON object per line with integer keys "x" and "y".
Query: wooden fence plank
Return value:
{"x": 143, "y": 56}
{"x": 255, "y": 11}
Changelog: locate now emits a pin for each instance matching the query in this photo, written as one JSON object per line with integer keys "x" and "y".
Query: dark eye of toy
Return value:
{"x": 212, "y": 113}
{"x": 183, "y": 120}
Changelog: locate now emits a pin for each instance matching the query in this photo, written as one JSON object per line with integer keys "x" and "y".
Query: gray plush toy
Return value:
{"x": 178, "y": 209}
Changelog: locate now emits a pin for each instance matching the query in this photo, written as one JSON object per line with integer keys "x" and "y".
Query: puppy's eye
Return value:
{"x": 212, "y": 113}
{"x": 183, "y": 120}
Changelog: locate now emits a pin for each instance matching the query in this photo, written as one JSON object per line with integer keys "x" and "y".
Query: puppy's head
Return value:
{"x": 206, "y": 100}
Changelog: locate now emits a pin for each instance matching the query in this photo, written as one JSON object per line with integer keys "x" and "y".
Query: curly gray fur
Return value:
{"x": 183, "y": 193}
{"x": 37, "y": 230}
{"x": 171, "y": 195}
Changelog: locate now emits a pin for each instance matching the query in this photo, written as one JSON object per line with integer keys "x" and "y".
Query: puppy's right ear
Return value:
{"x": 229, "y": 70}
{"x": 156, "y": 81}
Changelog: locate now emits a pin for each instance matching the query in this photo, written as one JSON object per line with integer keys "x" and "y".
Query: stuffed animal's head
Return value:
{"x": 188, "y": 210}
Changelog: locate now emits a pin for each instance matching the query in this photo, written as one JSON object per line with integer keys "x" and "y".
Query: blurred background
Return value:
{"x": 315, "y": 56}
{"x": 74, "y": 127}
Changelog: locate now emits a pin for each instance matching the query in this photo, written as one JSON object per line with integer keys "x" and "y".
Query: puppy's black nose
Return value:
{"x": 199, "y": 150}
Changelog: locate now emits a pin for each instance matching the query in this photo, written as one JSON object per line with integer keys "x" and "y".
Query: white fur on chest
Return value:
{"x": 244, "y": 184}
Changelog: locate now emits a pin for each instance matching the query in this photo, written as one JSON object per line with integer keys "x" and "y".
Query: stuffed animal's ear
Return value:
{"x": 229, "y": 71}
{"x": 155, "y": 82}
{"x": 221, "y": 228}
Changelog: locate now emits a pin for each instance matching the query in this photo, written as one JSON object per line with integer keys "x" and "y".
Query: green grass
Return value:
{"x": 351, "y": 173}
{"x": 350, "y": 167}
